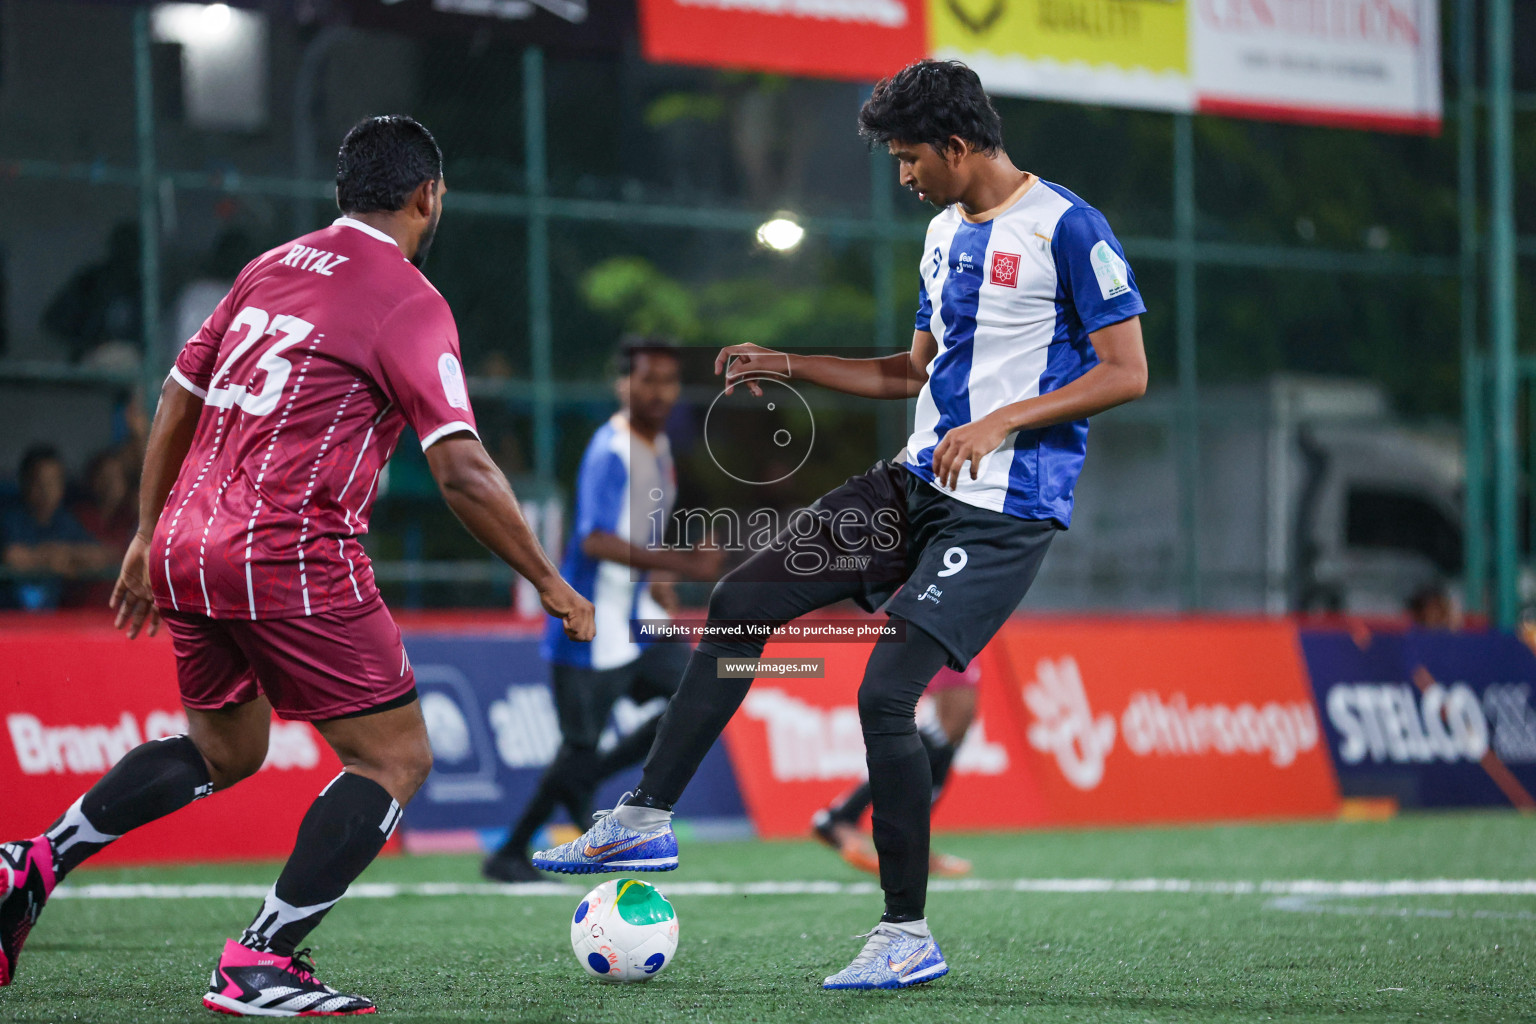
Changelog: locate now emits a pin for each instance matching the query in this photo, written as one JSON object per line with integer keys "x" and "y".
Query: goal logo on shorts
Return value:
{"x": 1005, "y": 269}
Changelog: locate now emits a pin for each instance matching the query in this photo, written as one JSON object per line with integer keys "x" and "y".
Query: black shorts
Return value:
{"x": 584, "y": 697}
{"x": 887, "y": 538}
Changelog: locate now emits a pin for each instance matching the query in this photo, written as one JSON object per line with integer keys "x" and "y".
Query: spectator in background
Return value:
{"x": 97, "y": 314}
{"x": 42, "y": 538}
{"x": 1433, "y": 607}
{"x": 109, "y": 511}
{"x": 195, "y": 303}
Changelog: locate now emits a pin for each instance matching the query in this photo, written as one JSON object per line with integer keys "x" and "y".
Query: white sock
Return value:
{"x": 641, "y": 819}
{"x": 917, "y": 929}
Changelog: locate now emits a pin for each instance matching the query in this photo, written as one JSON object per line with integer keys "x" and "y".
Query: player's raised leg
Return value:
{"x": 151, "y": 781}
{"x": 637, "y": 835}
{"x": 900, "y": 951}
{"x": 386, "y": 758}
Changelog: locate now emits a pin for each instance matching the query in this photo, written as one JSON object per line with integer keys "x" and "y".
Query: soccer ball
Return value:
{"x": 624, "y": 930}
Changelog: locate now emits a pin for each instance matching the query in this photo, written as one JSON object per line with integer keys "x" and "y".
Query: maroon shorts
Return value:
{"x": 311, "y": 668}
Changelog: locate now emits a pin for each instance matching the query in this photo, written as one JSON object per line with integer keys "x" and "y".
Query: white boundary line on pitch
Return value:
{"x": 1068, "y": 886}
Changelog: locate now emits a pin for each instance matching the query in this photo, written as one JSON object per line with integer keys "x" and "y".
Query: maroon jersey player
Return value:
{"x": 261, "y": 470}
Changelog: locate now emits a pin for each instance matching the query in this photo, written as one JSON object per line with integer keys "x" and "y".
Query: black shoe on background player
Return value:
{"x": 248, "y": 983}
{"x": 510, "y": 866}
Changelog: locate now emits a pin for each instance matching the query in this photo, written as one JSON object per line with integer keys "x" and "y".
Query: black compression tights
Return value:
{"x": 900, "y": 779}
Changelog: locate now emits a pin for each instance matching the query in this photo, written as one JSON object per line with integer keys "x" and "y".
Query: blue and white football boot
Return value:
{"x": 891, "y": 959}
{"x": 609, "y": 846}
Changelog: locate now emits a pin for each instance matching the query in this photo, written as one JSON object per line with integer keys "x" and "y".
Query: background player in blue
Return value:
{"x": 1028, "y": 323}
{"x": 625, "y": 487}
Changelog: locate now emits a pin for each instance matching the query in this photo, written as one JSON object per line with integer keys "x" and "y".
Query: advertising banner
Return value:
{"x": 1355, "y": 63}
{"x": 857, "y": 40}
{"x": 1429, "y": 719}
{"x": 491, "y": 717}
{"x": 796, "y": 745}
{"x": 78, "y": 696}
{"x": 562, "y": 25}
{"x": 1080, "y": 722}
{"x": 1118, "y": 52}
{"x": 1131, "y": 721}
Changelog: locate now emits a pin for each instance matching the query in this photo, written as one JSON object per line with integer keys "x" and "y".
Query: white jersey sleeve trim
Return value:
{"x": 444, "y": 431}
{"x": 181, "y": 378}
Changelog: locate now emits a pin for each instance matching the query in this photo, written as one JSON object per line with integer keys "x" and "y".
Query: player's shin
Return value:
{"x": 900, "y": 783}
{"x": 152, "y": 780}
{"x": 341, "y": 834}
{"x": 692, "y": 722}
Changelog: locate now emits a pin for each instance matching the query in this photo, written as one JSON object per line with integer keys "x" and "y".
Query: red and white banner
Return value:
{"x": 858, "y": 40}
{"x": 1162, "y": 721}
{"x": 1079, "y": 722}
{"x": 76, "y": 696}
{"x": 796, "y": 744}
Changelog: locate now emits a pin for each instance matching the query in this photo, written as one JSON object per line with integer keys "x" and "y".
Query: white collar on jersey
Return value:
{"x": 367, "y": 229}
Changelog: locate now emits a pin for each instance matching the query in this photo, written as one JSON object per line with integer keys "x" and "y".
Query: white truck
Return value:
{"x": 1311, "y": 496}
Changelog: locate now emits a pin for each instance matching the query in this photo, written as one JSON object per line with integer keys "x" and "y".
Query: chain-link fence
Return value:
{"x": 1308, "y": 288}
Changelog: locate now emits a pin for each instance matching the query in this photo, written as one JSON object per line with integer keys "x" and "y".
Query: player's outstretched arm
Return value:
{"x": 900, "y": 375}
{"x": 1119, "y": 377}
{"x": 697, "y": 563}
{"x": 480, "y": 496}
{"x": 170, "y": 438}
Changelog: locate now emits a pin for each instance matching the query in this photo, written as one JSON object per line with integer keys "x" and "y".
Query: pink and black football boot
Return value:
{"x": 26, "y": 880}
{"x": 251, "y": 984}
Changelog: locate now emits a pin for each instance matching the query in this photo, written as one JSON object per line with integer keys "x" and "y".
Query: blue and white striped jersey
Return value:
{"x": 626, "y": 486}
{"x": 1011, "y": 298}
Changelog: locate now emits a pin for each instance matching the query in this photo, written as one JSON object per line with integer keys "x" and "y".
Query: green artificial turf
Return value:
{"x": 1014, "y": 956}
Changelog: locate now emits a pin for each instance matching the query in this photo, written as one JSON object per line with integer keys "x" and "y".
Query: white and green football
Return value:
{"x": 624, "y": 930}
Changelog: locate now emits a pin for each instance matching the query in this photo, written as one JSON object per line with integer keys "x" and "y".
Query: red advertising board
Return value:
{"x": 857, "y": 40}
{"x": 1080, "y": 721}
{"x": 795, "y": 745}
{"x": 76, "y": 696}
{"x": 1129, "y": 721}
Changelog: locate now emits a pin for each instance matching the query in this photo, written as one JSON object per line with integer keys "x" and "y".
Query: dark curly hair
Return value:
{"x": 632, "y": 345}
{"x": 382, "y": 161}
{"x": 930, "y": 101}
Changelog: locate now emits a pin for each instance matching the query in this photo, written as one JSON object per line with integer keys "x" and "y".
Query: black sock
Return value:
{"x": 900, "y": 780}
{"x": 941, "y": 754}
{"x": 558, "y": 785}
{"x": 850, "y": 807}
{"x": 152, "y": 780}
{"x": 344, "y": 829}
{"x": 694, "y": 719}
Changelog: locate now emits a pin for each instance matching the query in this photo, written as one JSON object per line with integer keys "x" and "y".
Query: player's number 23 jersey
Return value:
{"x": 310, "y": 368}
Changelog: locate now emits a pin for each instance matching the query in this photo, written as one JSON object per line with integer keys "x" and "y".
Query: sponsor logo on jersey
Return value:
{"x": 452, "y": 376}
{"x": 1109, "y": 270}
{"x": 1005, "y": 269}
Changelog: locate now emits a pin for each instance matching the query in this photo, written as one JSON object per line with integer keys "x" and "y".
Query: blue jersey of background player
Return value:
{"x": 624, "y": 494}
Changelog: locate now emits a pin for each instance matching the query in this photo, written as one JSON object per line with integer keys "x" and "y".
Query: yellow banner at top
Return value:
{"x": 1124, "y": 34}
{"x": 1106, "y": 51}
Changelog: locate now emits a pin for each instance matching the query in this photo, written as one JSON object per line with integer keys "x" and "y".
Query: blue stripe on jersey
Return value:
{"x": 950, "y": 379}
{"x": 600, "y": 487}
{"x": 1052, "y": 480}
